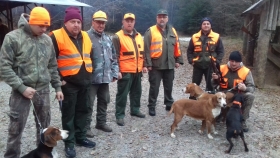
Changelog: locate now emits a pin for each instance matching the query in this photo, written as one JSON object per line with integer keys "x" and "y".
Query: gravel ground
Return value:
{"x": 150, "y": 137}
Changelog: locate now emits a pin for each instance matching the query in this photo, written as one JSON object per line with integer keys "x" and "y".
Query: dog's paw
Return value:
{"x": 246, "y": 150}
{"x": 172, "y": 135}
{"x": 200, "y": 132}
{"x": 209, "y": 136}
{"x": 227, "y": 152}
{"x": 215, "y": 132}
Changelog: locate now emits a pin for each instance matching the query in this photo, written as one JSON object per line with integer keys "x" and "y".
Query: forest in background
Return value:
{"x": 184, "y": 15}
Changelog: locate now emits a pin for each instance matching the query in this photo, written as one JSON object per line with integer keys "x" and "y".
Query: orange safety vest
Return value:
{"x": 241, "y": 73}
{"x": 130, "y": 60}
{"x": 69, "y": 59}
{"x": 213, "y": 36}
{"x": 156, "y": 43}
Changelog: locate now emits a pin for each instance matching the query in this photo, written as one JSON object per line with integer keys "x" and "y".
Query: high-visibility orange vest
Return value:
{"x": 69, "y": 59}
{"x": 156, "y": 43}
{"x": 130, "y": 60}
{"x": 198, "y": 43}
{"x": 241, "y": 73}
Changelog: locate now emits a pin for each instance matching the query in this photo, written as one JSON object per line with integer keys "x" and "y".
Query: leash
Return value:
{"x": 39, "y": 123}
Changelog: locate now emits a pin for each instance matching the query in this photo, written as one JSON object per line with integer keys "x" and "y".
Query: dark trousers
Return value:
{"x": 74, "y": 112}
{"x": 198, "y": 74}
{"x": 130, "y": 83}
{"x": 19, "y": 111}
{"x": 103, "y": 98}
{"x": 155, "y": 77}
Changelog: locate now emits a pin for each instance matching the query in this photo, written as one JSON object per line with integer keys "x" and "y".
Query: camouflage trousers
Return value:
{"x": 19, "y": 111}
{"x": 248, "y": 102}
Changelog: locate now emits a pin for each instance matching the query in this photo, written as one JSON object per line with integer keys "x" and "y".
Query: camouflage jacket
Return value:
{"x": 27, "y": 60}
{"x": 103, "y": 58}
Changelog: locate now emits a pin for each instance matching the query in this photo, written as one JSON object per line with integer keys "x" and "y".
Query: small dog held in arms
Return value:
{"x": 234, "y": 122}
{"x": 49, "y": 138}
{"x": 205, "y": 110}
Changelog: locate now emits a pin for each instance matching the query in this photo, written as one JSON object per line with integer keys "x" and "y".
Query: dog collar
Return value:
{"x": 237, "y": 102}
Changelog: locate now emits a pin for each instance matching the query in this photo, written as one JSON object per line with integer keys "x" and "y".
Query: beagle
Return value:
{"x": 49, "y": 138}
{"x": 205, "y": 110}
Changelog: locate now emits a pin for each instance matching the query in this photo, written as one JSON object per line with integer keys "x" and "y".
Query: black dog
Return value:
{"x": 234, "y": 122}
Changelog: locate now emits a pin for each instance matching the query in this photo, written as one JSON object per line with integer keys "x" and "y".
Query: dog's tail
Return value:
{"x": 171, "y": 110}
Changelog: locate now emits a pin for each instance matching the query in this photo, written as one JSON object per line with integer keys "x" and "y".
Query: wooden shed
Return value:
{"x": 261, "y": 43}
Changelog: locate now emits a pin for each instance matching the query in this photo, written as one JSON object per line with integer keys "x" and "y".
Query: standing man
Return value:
{"x": 202, "y": 46}
{"x": 162, "y": 54}
{"x": 236, "y": 74}
{"x": 129, "y": 47}
{"x": 3, "y": 31}
{"x": 106, "y": 70}
{"x": 73, "y": 51}
{"x": 28, "y": 65}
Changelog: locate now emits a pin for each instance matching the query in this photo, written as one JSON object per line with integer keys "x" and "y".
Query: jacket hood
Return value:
{"x": 23, "y": 23}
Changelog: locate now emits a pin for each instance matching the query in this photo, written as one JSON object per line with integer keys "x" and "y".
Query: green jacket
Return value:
{"x": 167, "y": 59}
{"x": 27, "y": 60}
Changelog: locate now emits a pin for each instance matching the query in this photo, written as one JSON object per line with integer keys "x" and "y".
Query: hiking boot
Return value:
{"x": 139, "y": 114}
{"x": 244, "y": 126}
{"x": 167, "y": 108}
{"x": 152, "y": 112}
{"x": 85, "y": 143}
{"x": 70, "y": 152}
{"x": 120, "y": 122}
{"x": 104, "y": 128}
{"x": 89, "y": 134}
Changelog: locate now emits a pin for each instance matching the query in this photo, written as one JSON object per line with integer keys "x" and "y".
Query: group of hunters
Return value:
{"x": 81, "y": 64}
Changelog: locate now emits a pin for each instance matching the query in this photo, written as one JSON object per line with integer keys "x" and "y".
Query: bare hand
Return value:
{"x": 63, "y": 82}
{"x": 29, "y": 93}
{"x": 242, "y": 86}
{"x": 149, "y": 68}
{"x": 145, "y": 70}
{"x": 120, "y": 76}
{"x": 215, "y": 76}
{"x": 177, "y": 65}
{"x": 59, "y": 95}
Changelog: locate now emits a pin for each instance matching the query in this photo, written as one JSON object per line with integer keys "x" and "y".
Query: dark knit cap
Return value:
{"x": 236, "y": 56}
{"x": 72, "y": 13}
{"x": 206, "y": 19}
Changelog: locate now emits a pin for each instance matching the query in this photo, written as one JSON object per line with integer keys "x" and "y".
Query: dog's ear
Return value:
{"x": 191, "y": 89}
{"x": 213, "y": 100}
{"x": 52, "y": 137}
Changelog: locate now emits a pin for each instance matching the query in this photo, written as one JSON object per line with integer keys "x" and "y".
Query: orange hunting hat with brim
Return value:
{"x": 129, "y": 15}
{"x": 39, "y": 16}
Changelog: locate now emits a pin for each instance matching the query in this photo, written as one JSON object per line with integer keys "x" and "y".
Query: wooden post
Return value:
{"x": 245, "y": 39}
{"x": 261, "y": 52}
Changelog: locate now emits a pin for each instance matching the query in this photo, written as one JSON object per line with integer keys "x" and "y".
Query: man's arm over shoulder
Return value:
{"x": 7, "y": 56}
{"x": 147, "y": 44}
{"x": 249, "y": 82}
{"x": 220, "y": 50}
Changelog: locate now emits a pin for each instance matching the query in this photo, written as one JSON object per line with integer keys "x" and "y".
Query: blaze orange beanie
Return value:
{"x": 39, "y": 16}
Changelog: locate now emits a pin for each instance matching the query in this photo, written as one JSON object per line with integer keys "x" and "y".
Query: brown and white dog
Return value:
{"x": 195, "y": 91}
{"x": 205, "y": 110}
{"x": 49, "y": 138}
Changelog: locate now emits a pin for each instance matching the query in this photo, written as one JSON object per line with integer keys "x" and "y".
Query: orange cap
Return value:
{"x": 39, "y": 16}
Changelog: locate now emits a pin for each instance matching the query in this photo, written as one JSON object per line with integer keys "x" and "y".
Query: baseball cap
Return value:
{"x": 100, "y": 16}
{"x": 129, "y": 15}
